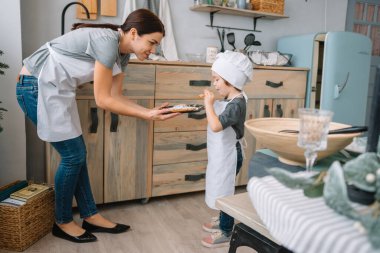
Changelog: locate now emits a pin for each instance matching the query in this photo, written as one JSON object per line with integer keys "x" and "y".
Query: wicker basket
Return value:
{"x": 22, "y": 226}
{"x": 270, "y": 6}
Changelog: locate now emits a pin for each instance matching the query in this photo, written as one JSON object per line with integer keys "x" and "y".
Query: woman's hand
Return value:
{"x": 162, "y": 113}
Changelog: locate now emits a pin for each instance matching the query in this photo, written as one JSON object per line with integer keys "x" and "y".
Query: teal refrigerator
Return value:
{"x": 338, "y": 78}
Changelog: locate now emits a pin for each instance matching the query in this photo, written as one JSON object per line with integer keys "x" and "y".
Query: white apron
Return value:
{"x": 57, "y": 113}
{"x": 222, "y": 160}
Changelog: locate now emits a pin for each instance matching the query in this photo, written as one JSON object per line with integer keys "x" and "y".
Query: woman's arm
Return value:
{"x": 212, "y": 118}
{"x": 108, "y": 96}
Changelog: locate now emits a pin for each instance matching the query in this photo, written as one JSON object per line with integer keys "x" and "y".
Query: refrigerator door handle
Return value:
{"x": 339, "y": 87}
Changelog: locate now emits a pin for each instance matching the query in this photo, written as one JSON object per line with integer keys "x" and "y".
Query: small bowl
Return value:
{"x": 266, "y": 132}
{"x": 196, "y": 57}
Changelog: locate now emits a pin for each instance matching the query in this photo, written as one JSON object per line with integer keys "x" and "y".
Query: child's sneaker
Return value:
{"x": 212, "y": 226}
{"x": 216, "y": 239}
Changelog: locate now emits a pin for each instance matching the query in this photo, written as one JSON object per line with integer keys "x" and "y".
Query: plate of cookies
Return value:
{"x": 185, "y": 108}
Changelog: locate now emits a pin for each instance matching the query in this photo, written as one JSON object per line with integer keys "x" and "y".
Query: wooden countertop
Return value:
{"x": 201, "y": 64}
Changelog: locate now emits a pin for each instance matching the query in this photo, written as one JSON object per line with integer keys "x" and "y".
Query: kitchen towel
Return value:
{"x": 130, "y": 5}
{"x": 168, "y": 45}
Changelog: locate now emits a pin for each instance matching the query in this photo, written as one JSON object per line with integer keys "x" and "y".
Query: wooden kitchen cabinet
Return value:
{"x": 127, "y": 156}
{"x": 130, "y": 158}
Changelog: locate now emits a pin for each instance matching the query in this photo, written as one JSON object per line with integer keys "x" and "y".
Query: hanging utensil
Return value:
{"x": 223, "y": 35}
{"x": 249, "y": 40}
{"x": 231, "y": 40}
{"x": 255, "y": 43}
{"x": 221, "y": 39}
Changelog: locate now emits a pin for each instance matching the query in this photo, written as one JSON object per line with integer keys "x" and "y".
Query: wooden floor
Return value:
{"x": 169, "y": 224}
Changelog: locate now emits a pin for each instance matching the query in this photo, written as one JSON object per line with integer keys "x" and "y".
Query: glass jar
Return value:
{"x": 231, "y": 3}
{"x": 241, "y": 4}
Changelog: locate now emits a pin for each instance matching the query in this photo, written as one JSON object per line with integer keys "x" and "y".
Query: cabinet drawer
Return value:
{"x": 139, "y": 81}
{"x": 185, "y": 122}
{"x": 178, "y": 147}
{"x": 181, "y": 82}
{"x": 178, "y": 178}
{"x": 277, "y": 84}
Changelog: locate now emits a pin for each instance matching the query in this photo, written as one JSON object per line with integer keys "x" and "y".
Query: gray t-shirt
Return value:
{"x": 234, "y": 116}
{"x": 88, "y": 44}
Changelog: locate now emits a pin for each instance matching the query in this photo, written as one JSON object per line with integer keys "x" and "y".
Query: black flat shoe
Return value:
{"x": 85, "y": 237}
{"x": 119, "y": 228}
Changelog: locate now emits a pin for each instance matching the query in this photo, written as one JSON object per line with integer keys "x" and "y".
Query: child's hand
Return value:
{"x": 209, "y": 98}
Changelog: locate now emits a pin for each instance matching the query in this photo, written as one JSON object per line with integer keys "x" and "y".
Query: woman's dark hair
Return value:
{"x": 143, "y": 20}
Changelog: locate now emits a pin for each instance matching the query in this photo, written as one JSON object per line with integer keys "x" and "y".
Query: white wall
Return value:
{"x": 42, "y": 22}
{"x": 12, "y": 139}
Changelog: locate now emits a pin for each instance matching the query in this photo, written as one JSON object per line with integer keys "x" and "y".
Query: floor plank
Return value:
{"x": 163, "y": 225}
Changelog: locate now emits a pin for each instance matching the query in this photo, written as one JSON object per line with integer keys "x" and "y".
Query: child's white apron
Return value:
{"x": 222, "y": 160}
{"x": 57, "y": 113}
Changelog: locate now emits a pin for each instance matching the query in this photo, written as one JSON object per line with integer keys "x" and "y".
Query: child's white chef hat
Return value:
{"x": 234, "y": 67}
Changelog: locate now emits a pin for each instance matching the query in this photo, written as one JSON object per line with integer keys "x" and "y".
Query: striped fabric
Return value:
{"x": 303, "y": 224}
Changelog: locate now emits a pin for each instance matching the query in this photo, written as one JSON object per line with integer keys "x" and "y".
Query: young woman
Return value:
{"x": 46, "y": 93}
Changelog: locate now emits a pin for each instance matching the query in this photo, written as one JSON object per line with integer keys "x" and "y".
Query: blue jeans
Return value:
{"x": 71, "y": 178}
{"x": 226, "y": 222}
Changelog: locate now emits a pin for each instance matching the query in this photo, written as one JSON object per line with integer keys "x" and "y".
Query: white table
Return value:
{"x": 302, "y": 224}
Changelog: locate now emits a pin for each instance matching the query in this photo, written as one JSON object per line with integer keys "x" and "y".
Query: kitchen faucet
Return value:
{"x": 64, "y": 11}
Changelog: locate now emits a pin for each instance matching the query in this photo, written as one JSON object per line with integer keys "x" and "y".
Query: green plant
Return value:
{"x": 2, "y": 66}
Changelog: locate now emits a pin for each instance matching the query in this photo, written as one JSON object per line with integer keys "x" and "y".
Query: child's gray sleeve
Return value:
{"x": 231, "y": 115}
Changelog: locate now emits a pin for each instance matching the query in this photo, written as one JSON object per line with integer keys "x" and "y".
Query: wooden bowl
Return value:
{"x": 266, "y": 132}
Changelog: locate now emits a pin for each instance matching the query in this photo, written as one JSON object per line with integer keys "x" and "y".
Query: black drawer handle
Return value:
{"x": 273, "y": 84}
{"x": 200, "y": 83}
{"x": 279, "y": 111}
{"x": 114, "y": 122}
{"x": 195, "y": 177}
{"x": 196, "y": 116}
{"x": 196, "y": 147}
{"x": 266, "y": 111}
{"x": 94, "y": 120}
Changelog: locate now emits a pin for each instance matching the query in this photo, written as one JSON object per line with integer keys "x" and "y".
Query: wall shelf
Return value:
{"x": 235, "y": 11}
{"x": 212, "y": 9}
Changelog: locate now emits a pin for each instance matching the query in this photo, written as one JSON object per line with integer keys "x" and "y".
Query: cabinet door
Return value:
{"x": 127, "y": 156}
{"x": 92, "y": 120}
{"x": 287, "y": 108}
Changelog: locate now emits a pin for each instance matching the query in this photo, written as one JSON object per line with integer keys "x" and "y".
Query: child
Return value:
{"x": 230, "y": 72}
